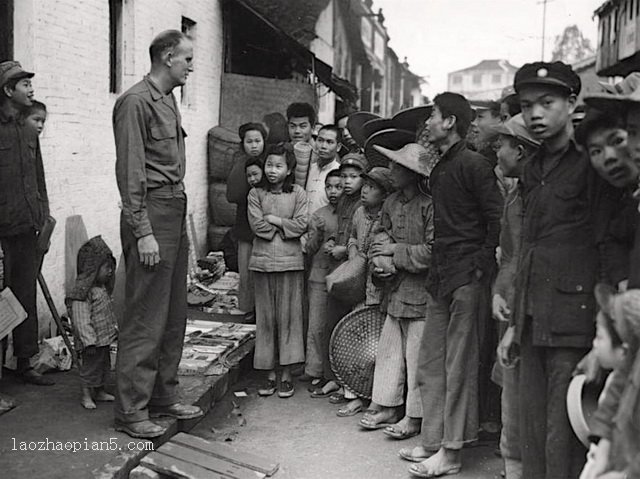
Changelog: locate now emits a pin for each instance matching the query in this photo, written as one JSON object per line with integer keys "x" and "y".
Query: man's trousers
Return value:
{"x": 153, "y": 324}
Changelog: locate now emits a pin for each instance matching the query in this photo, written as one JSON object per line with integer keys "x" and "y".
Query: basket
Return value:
{"x": 348, "y": 281}
{"x": 353, "y": 349}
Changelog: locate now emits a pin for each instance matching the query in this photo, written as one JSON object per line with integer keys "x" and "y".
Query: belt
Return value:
{"x": 167, "y": 191}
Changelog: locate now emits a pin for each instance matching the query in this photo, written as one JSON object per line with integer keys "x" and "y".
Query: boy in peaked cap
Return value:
{"x": 24, "y": 211}
{"x": 515, "y": 147}
{"x": 554, "y": 305}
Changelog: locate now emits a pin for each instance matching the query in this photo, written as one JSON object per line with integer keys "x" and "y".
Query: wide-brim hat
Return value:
{"x": 374, "y": 126}
{"x": 353, "y": 348}
{"x": 619, "y": 96}
{"x": 355, "y": 122}
{"x": 582, "y": 403}
{"x": 391, "y": 138}
{"x": 412, "y": 119}
{"x": 413, "y": 156}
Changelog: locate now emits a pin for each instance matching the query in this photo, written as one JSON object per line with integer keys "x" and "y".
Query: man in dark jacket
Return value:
{"x": 554, "y": 306}
{"x": 467, "y": 212}
{"x": 24, "y": 206}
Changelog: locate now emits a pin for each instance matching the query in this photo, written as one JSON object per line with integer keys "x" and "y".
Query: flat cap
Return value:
{"x": 12, "y": 70}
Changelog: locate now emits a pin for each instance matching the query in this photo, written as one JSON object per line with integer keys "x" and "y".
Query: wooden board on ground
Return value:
{"x": 227, "y": 453}
{"x": 142, "y": 472}
{"x": 75, "y": 237}
{"x": 207, "y": 461}
{"x": 172, "y": 467}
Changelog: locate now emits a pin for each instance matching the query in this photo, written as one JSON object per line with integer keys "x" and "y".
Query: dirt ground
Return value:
{"x": 310, "y": 442}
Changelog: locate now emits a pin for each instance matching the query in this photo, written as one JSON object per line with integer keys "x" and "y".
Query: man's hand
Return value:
{"x": 383, "y": 250}
{"x": 590, "y": 367}
{"x": 339, "y": 252}
{"x": 500, "y": 309}
{"x": 148, "y": 251}
{"x": 507, "y": 349}
{"x": 321, "y": 224}
{"x": 328, "y": 246}
{"x": 273, "y": 219}
{"x": 597, "y": 460}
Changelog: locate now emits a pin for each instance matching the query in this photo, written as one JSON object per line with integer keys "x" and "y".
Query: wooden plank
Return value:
{"x": 75, "y": 237}
{"x": 172, "y": 467}
{"x": 227, "y": 453}
{"x": 209, "y": 462}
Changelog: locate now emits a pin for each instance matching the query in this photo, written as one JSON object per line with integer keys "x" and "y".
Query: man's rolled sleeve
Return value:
{"x": 130, "y": 135}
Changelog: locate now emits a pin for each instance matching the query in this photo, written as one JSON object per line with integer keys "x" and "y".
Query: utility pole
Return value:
{"x": 544, "y": 24}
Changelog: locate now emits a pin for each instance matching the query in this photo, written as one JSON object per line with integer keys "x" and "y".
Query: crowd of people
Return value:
{"x": 498, "y": 239}
{"x": 527, "y": 215}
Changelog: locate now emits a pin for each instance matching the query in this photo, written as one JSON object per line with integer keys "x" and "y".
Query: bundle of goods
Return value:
{"x": 302, "y": 152}
{"x": 208, "y": 342}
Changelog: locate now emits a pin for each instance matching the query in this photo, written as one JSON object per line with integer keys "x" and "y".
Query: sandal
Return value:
{"x": 399, "y": 434}
{"x": 369, "y": 415}
{"x": 320, "y": 392}
{"x": 419, "y": 470}
{"x": 338, "y": 398}
{"x": 407, "y": 454}
{"x": 317, "y": 384}
{"x": 348, "y": 412}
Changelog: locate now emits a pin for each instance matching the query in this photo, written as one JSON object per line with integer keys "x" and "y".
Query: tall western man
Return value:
{"x": 150, "y": 169}
{"x": 467, "y": 212}
{"x": 24, "y": 206}
{"x": 554, "y": 306}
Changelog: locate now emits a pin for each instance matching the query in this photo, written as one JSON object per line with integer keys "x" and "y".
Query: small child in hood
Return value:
{"x": 94, "y": 324}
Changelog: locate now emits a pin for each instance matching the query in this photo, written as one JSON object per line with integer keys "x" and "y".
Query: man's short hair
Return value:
{"x": 301, "y": 110}
{"x": 596, "y": 120}
{"x": 335, "y": 173}
{"x": 335, "y": 129}
{"x": 167, "y": 40}
{"x": 513, "y": 105}
{"x": 454, "y": 104}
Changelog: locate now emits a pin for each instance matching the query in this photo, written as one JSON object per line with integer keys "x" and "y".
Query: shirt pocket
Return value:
{"x": 574, "y": 304}
{"x": 569, "y": 202}
{"x": 5, "y": 157}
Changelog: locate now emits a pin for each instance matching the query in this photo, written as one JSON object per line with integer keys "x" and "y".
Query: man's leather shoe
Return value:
{"x": 32, "y": 376}
{"x": 142, "y": 429}
{"x": 177, "y": 410}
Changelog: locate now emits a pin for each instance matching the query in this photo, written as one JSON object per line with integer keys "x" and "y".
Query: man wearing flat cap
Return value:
{"x": 554, "y": 308}
{"x": 24, "y": 206}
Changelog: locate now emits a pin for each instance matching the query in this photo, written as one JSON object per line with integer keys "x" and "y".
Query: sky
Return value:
{"x": 441, "y": 36}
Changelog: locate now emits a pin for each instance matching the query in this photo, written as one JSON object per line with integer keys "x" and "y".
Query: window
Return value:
{"x": 115, "y": 46}
{"x": 496, "y": 78}
{"x": 477, "y": 79}
{"x": 457, "y": 80}
{"x": 187, "y": 96}
{"x": 365, "y": 32}
{"x": 378, "y": 46}
{"x": 6, "y": 30}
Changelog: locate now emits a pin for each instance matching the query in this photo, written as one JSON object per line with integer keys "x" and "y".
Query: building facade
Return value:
{"x": 483, "y": 81}
{"x": 618, "y": 52}
{"x": 85, "y": 54}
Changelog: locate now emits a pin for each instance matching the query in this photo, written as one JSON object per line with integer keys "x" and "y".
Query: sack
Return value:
{"x": 53, "y": 354}
{"x": 348, "y": 282}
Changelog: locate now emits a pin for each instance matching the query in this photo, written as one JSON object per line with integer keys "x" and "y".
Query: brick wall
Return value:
{"x": 248, "y": 98}
{"x": 66, "y": 43}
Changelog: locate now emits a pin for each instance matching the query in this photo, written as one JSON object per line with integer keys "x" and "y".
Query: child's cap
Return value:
{"x": 516, "y": 128}
{"x": 380, "y": 176}
{"x": 356, "y": 160}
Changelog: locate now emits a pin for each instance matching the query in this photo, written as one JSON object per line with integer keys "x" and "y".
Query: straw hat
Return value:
{"x": 412, "y": 119}
{"x": 355, "y": 122}
{"x": 391, "y": 138}
{"x": 412, "y": 156}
